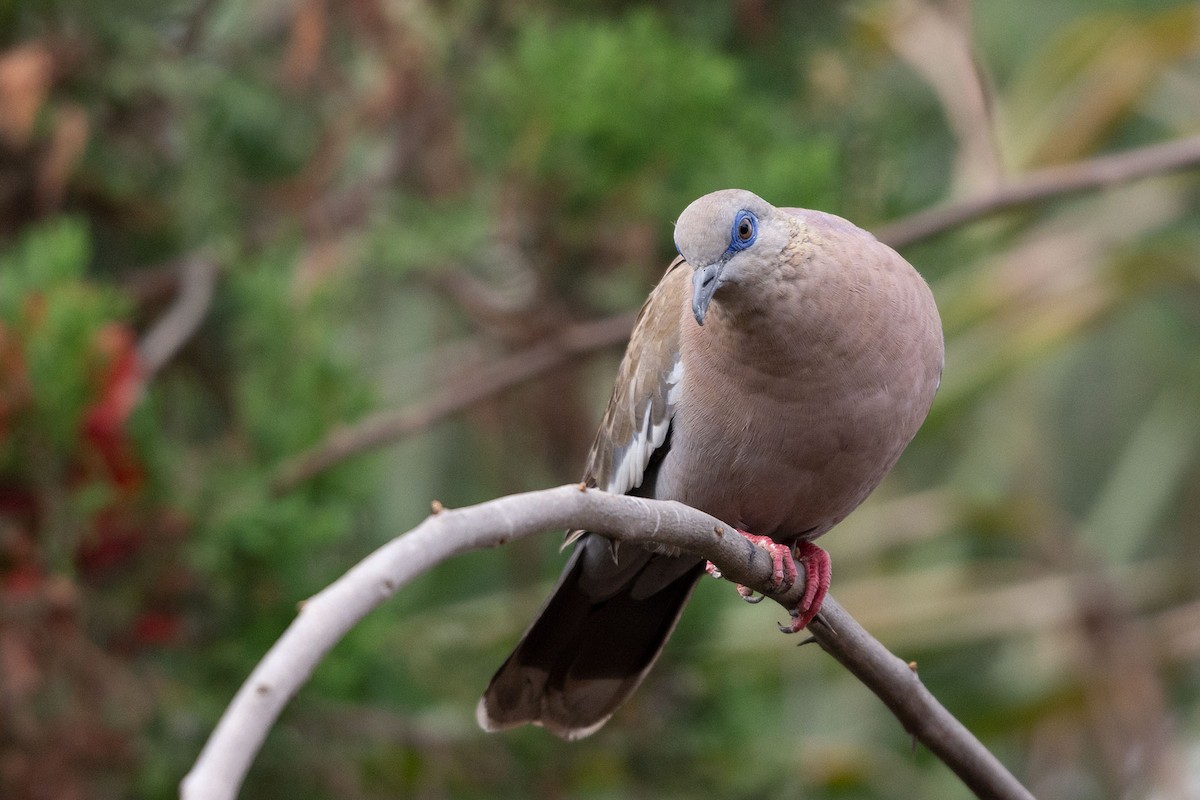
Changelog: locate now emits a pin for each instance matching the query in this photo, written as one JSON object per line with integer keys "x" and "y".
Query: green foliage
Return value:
{"x": 433, "y": 233}
{"x": 46, "y": 303}
{"x": 586, "y": 93}
{"x": 44, "y": 259}
{"x": 266, "y": 135}
{"x": 574, "y": 104}
{"x": 292, "y": 385}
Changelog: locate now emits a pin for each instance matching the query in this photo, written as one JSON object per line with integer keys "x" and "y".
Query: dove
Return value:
{"x": 773, "y": 377}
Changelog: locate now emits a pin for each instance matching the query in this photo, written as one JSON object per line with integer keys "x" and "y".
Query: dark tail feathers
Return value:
{"x": 592, "y": 643}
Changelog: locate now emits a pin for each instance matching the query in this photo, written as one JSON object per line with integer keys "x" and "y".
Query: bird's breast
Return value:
{"x": 789, "y": 439}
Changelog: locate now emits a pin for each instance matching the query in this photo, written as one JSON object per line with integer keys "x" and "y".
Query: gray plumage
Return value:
{"x": 772, "y": 379}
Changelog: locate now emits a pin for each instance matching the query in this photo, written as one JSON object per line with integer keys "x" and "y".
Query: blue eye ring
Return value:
{"x": 744, "y": 231}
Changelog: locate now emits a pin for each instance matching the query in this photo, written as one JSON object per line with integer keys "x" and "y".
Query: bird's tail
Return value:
{"x": 593, "y": 641}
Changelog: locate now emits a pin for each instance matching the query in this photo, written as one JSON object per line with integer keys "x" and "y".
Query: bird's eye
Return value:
{"x": 744, "y": 231}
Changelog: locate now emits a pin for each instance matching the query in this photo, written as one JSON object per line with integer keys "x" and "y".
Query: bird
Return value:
{"x": 772, "y": 378}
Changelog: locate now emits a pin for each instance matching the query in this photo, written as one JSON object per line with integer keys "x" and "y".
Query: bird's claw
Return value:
{"x": 817, "y": 573}
{"x": 748, "y": 595}
{"x": 783, "y": 574}
{"x": 745, "y": 591}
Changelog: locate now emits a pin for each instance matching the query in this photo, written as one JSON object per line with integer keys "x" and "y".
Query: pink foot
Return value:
{"x": 817, "y": 573}
{"x": 784, "y": 573}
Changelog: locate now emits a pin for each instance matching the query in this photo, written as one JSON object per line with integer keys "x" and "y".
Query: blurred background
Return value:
{"x": 230, "y": 231}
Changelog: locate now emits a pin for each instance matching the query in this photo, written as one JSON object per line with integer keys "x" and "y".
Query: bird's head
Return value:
{"x": 731, "y": 238}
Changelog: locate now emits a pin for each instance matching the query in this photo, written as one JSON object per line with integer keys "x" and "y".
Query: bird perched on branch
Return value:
{"x": 772, "y": 379}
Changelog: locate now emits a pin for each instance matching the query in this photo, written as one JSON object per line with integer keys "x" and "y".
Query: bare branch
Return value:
{"x": 897, "y": 684}
{"x": 1043, "y": 184}
{"x": 164, "y": 339}
{"x": 935, "y": 40}
{"x": 327, "y": 617}
{"x": 470, "y": 387}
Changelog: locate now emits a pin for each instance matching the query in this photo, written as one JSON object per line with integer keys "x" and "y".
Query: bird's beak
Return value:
{"x": 705, "y": 281}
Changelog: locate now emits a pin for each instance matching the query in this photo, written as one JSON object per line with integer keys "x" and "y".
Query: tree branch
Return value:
{"x": 328, "y": 616}
{"x": 477, "y": 385}
{"x": 470, "y": 387}
{"x": 1044, "y": 184}
{"x": 172, "y": 331}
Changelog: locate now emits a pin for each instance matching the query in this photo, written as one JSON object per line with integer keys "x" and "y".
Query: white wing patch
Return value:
{"x": 630, "y": 460}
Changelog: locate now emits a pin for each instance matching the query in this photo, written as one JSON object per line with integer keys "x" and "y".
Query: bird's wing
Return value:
{"x": 638, "y": 419}
{"x": 604, "y": 624}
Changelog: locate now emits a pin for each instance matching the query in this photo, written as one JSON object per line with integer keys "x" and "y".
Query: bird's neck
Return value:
{"x": 781, "y": 335}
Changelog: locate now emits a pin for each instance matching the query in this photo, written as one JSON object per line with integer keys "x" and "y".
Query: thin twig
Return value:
{"x": 898, "y": 685}
{"x": 1046, "y": 183}
{"x": 470, "y": 387}
{"x": 194, "y": 26}
{"x": 327, "y": 617}
{"x": 172, "y": 330}
{"x": 935, "y": 39}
